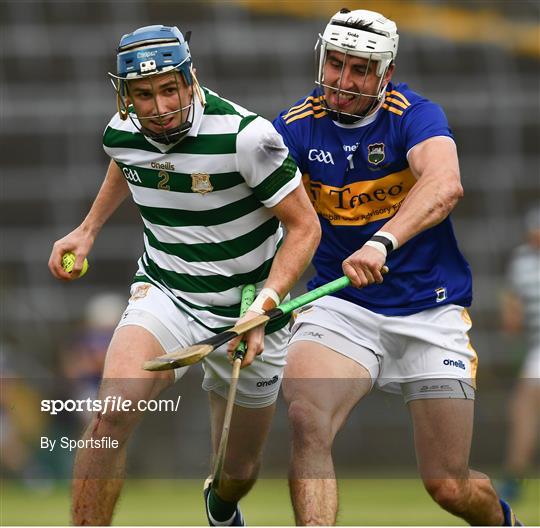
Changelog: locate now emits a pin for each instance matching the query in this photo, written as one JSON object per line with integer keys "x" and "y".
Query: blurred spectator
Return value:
{"x": 521, "y": 313}
{"x": 84, "y": 356}
{"x": 21, "y": 422}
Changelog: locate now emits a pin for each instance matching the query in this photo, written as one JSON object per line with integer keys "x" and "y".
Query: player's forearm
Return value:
{"x": 112, "y": 193}
{"x": 293, "y": 257}
{"x": 303, "y": 233}
{"x": 428, "y": 203}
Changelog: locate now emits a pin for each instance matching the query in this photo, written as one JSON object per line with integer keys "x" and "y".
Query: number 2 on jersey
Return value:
{"x": 162, "y": 184}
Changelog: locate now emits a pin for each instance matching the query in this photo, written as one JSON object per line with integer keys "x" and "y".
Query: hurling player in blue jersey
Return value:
{"x": 381, "y": 167}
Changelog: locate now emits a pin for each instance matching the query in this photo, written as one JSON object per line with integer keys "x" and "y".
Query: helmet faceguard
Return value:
{"x": 144, "y": 54}
{"x": 363, "y": 34}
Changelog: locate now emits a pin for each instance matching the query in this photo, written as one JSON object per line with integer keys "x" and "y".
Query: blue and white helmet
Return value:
{"x": 149, "y": 51}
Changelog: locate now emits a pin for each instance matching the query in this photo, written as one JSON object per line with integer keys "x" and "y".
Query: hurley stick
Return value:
{"x": 198, "y": 351}
{"x": 248, "y": 296}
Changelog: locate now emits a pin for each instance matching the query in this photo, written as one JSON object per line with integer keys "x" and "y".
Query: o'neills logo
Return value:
{"x": 375, "y": 153}
{"x": 268, "y": 382}
{"x": 200, "y": 183}
{"x": 162, "y": 166}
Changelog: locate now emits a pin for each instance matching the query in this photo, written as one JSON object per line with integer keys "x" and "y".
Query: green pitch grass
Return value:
{"x": 170, "y": 502}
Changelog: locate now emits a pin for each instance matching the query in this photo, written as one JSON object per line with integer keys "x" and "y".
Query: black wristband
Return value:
{"x": 386, "y": 242}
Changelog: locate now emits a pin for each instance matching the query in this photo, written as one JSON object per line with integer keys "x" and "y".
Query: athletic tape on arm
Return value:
{"x": 266, "y": 300}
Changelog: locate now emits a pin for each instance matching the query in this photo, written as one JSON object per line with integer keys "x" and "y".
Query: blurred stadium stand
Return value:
{"x": 56, "y": 101}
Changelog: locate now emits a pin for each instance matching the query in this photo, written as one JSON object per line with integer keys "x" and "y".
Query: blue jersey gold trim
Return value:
{"x": 310, "y": 106}
{"x": 357, "y": 179}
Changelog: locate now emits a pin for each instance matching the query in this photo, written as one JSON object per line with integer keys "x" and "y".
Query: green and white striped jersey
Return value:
{"x": 203, "y": 202}
{"x": 524, "y": 280}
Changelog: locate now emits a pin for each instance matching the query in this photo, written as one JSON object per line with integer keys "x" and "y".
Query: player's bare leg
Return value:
{"x": 442, "y": 436}
{"x": 247, "y": 435}
{"x": 320, "y": 394}
{"x": 524, "y": 421}
{"x": 98, "y": 473}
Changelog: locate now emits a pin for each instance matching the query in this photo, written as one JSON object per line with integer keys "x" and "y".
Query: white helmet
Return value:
{"x": 361, "y": 33}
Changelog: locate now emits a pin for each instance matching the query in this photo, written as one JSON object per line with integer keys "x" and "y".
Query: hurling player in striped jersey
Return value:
{"x": 381, "y": 167}
{"x": 520, "y": 312}
{"x": 215, "y": 187}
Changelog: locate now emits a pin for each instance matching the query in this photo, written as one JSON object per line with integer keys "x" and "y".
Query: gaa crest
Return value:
{"x": 200, "y": 183}
{"x": 140, "y": 292}
{"x": 375, "y": 153}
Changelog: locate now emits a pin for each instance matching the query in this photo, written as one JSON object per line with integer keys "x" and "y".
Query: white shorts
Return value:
{"x": 531, "y": 365}
{"x": 259, "y": 383}
{"x": 396, "y": 350}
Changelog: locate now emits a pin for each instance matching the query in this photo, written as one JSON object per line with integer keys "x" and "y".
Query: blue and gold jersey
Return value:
{"x": 357, "y": 177}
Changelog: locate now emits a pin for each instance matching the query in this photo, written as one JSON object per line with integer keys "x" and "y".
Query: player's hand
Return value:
{"x": 254, "y": 341}
{"x": 79, "y": 242}
{"x": 364, "y": 267}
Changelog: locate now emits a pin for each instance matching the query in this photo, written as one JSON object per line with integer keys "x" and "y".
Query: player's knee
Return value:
{"x": 309, "y": 424}
{"x": 450, "y": 494}
{"x": 241, "y": 473}
{"x": 116, "y": 424}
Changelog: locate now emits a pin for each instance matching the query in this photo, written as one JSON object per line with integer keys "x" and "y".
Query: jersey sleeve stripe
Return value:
{"x": 391, "y": 109}
{"x": 401, "y": 96}
{"x": 300, "y": 109}
{"x": 299, "y": 116}
{"x": 302, "y": 104}
{"x": 305, "y": 114}
{"x": 397, "y": 102}
{"x": 279, "y": 178}
{"x": 303, "y": 108}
